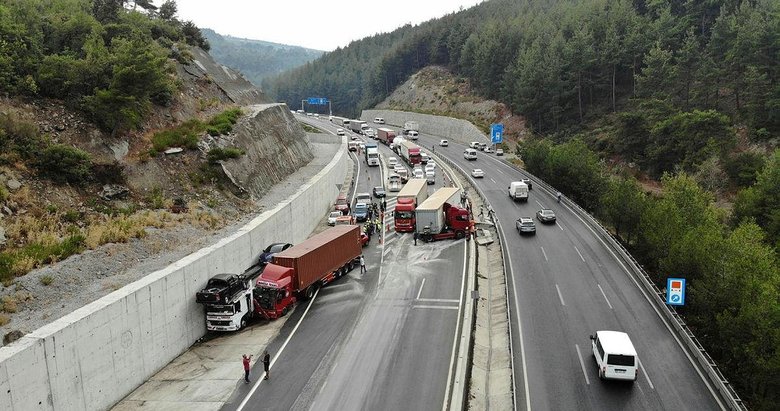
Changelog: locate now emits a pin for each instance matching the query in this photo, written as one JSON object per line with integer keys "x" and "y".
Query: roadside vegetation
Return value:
{"x": 101, "y": 58}
{"x": 187, "y": 134}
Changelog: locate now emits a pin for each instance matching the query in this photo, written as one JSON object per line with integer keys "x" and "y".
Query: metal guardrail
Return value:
{"x": 726, "y": 389}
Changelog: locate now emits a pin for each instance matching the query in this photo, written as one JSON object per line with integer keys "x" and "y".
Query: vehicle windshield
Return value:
{"x": 547, "y": 213}
{"x": 360, "y": 208}
{"x": 341, "y": 200}
{"x": 404, "y": 215}
{"x": 335, "y": 214}
{"x": 220, "y": 309}
{"x": 277, "y": 248}
{"x": 267, "y": 297}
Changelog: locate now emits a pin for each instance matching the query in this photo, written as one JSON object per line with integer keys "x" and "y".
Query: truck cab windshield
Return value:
{"x": 267, "y": 297}
{"x": 220, "y": 309}
{"x": 404, "y": 214}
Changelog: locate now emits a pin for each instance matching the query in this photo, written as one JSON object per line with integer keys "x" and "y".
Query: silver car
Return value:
{"x": 525, "y": 225}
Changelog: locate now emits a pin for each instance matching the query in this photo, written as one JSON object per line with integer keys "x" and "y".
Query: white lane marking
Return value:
{"x": 647, "y": 377}
{"x": 261, "y": 378}
{"x": 560, "y": 295}
{"x": 658, "y": 313}
{"x": 605, "y": 296}
{"x": 422, "y": 284}
{"x": 545, "y": 254}
{"x": 437, "y": 300}
{"x": 559, "y": 226}
{"x": 323, "y": 386}
{"x": 540, "y": 204}
{"x": 494, "y": 181}
{"x": 580, "y": 254}
{"x": 582, "y": 364}
{"x": 457, "y": 326}
{"x": 437, "y": 307}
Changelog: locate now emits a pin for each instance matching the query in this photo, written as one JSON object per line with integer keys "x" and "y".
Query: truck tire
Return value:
{"x": 459, "y": 234}
{"x": 285, "y": 310}
{"x": 310, "y": 292}
{"x": 242, "y": 325}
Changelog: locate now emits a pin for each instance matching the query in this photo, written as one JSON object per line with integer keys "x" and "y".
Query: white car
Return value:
{"x": 488, "y": 150}
{"x": 340, "y": 131}
{"x": 429, "y": 167}
{"x": 379, "y": 120}
{"x": 418, "y": 173}
{"x": 477, "y": 173}
{"x": 424, "y": 158}
{"x": 333, "y": 216}
{"x": 431, "y": 164}
{"x": 444, "y": 143}
{"x": 499, "y": 152}
{"x": 474, "y": 144}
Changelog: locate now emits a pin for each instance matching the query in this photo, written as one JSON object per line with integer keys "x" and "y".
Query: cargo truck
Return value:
{"x": 411, "y": 195}
{"x": 358, "y": 126}
{"x": 372, "y": 154}
{"x": 411, "y": 126}
{"x": 340, "y": 121}
{"x": 298, "y": 272}
{"x": 439, "y": 219}
{"x": 410, "y": 152}
{"x": 228, "y": 300}
{"x": 385, "y": 135}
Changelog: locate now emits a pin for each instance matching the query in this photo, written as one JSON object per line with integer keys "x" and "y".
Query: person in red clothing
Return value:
{"x": 246, "y": 367}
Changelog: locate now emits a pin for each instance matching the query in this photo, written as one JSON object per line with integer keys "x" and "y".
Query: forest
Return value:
{"x": 107, "y": 58}
{"x": 682, "y": 94}
{"x": 254, "y": 58}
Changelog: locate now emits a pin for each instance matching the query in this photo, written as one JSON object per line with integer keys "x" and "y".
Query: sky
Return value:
{"x": 317, "y": 24}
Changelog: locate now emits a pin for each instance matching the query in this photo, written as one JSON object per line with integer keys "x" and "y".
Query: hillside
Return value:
{"x": 435, "y": 90}
{"x": 257, "y": 59}
{"x": 137, "y": 148}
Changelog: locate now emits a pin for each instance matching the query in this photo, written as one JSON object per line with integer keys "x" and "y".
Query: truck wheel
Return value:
{"x": 310, "y": 292}
{"x": 285, "y": 310}
{"x": 459, "y": 234}
{"x": 243, "y": 323}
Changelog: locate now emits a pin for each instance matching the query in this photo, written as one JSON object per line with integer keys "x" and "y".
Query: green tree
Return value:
{"x": 761, "y": 202}
{"x": 168, "y": 10}
{"x": 622, "y": 206}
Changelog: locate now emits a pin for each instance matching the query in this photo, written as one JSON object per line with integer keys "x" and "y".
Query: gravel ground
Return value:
{"x": 83, "y": 278}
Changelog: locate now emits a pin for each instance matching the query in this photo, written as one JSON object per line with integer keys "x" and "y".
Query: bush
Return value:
{"x": 64, "y": 164}
{"x": 108, "y": 173}
{"x": 220, "y": 154}
{"x": 223, "y": 123}
{"x": 185, "y": 135}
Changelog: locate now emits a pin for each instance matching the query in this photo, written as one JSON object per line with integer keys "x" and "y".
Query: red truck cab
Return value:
{"x": 274, "y": 292}
{"x": 404, "y": 216}
{"x": 458, "y": 224}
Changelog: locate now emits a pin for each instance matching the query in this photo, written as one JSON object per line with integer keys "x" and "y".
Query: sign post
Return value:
{"x": 496, "y": 133}
{"x": 675, "y": 291}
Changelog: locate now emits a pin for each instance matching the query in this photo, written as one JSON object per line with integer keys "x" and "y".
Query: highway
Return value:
{"x": 379, "y": 340}
{"x": 565, "y": 284}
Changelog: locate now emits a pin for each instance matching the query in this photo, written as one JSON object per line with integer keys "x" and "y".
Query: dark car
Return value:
{"x": 360, "y": 212}
{"x": 379, "y": 192}
{"x": 267, "y": 254}
{"x": 525, "y": 225}
{"x": 527, "y": 181}
{"x": 545, "y": 215}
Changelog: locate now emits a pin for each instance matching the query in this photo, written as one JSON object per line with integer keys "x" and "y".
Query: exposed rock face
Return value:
{"x": 112, "y": 191}
{"x": 275, "y": 146}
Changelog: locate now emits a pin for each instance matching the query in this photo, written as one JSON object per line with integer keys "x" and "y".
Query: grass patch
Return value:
{"x": 187, "y": 134}
{"x": 220, "y": 154}
{"x": 309, "y": 128}
{"x": 47, "y": 280}
{"x": 4, "y": 319}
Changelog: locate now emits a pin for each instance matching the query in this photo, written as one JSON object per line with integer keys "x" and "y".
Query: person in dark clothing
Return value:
{"x": 415, "y": 237}
{"x": 384, "y": 205}
{"x": 246, "y": 360}
{"x": 267, "y": 364}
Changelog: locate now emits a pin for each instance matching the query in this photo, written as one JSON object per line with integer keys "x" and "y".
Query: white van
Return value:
{"x": 470, "y": 154}
{"x": 430, "y": 176}
{"x": 615, "y": 355}
{"x": 518, "y": 190}
{"x": 379, "y": 120}
{"x": 391, "y": 162}
{"x": 412, "y": 134}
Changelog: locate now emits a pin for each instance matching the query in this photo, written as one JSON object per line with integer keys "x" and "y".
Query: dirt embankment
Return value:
{"x": 435, "y": 90}
{"x": 123, "y": 234}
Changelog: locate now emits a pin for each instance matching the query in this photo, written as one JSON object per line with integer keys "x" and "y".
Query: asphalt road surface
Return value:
{"x": 379, "y": 340}
{"x": 565, "y": 284}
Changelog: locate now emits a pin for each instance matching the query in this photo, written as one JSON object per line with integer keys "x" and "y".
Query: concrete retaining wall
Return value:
{"x": 95, "y": 356}
{"x": 461, "y": 131}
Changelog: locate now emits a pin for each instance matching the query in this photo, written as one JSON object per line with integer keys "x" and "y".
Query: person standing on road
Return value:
{"x": 267, "y": 364}
{"x": 362, "y": 264}
{"x": 246, "y": 360}
{"x": 415, "y": 237}
{"x": 384, "y": 205}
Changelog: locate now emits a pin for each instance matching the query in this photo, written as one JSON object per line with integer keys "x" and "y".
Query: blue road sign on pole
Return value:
{"x": 675, "y": 291}
{"x": 317, "y": 101}
{"x": 496, "y": 133}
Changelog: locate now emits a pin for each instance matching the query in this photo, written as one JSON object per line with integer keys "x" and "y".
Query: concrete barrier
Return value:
{"x": 449, "y": 128}
{"x": 93, "y": 357}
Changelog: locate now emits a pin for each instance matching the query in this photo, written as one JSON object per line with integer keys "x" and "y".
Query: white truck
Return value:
{"x": 228, "y": 300}
{"x": 358, "y": 126}
{"x": 372, "y": 156}
{"x": 410, "y": 126}
{"x": 518, "y": 190}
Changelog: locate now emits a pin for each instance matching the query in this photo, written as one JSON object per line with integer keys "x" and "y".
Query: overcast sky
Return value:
{"x": 316, "y": 24}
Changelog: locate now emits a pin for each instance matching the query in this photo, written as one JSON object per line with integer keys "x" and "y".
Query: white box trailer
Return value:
{"x": 416, "y": 189}
{"x": 431, "y": 212}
